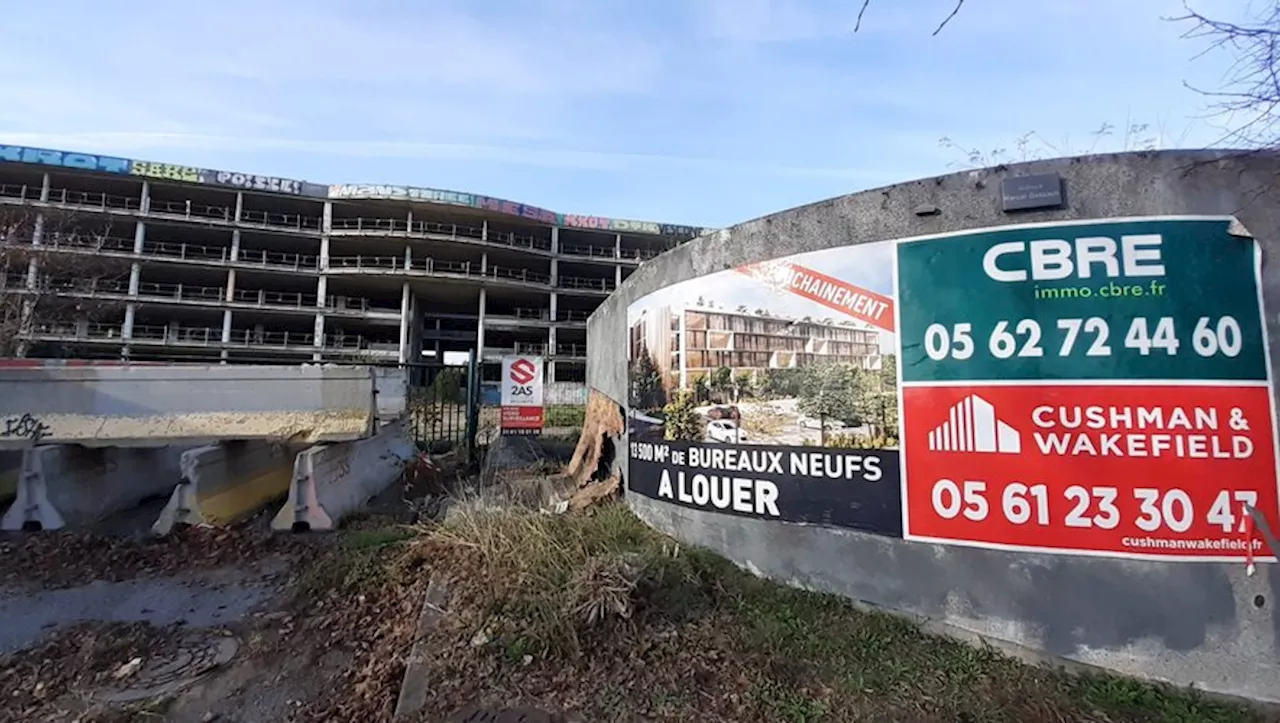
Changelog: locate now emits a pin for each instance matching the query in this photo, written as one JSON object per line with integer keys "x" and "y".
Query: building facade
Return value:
{"x": 108, "y": 257}
{"x": 689, "y": 342}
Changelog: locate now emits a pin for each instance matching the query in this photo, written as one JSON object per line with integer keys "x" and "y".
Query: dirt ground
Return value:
{"x": 94, "y": 621}
{"x": 585, "y": 616}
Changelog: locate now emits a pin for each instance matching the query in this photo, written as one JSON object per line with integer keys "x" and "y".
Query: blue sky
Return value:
{"x": 703, "y": 112}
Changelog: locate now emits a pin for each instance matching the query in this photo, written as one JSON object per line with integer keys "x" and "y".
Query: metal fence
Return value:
{"x": 444, "y": 406}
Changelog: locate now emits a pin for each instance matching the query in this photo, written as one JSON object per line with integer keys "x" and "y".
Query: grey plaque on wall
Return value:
{"x": 1027, "y": 192}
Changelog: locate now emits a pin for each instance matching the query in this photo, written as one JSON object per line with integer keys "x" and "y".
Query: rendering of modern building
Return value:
{"x": 112, "y": 257}
{"x": 688, "y": 342}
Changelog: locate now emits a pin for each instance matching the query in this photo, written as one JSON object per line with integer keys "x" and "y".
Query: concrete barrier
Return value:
{"x": 136, "y": 406}
{"x": 226, "y": 482}
{"x": 70, "y": 486}
{"x": 330, "y": 481}
{"x": 10, "y": 465}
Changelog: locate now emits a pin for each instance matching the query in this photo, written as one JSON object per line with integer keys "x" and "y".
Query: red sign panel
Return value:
{"x": 1114, "y": 470}
{"x": 521, "y": 420}
{"x": 862, "y": 304}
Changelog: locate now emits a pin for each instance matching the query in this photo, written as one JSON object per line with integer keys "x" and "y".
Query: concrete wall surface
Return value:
{"x": 1200, "y": 623}
{"x": 155, "y": 405}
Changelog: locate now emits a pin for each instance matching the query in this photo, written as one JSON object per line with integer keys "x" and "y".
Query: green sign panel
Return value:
{"x": 1160, "y": 298}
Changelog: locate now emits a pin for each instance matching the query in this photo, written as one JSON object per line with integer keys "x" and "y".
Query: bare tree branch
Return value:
{"x": 56, "y": 283}
{"x": 858, "y": 24}
{"x": 1250, "y": 94}
{"x": 954, "y": 11}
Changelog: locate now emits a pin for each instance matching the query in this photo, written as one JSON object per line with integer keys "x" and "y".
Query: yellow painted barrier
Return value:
{"x": 225, "y": 483}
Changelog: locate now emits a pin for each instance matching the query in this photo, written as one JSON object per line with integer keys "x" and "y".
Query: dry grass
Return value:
{"x": 599, "y": 615}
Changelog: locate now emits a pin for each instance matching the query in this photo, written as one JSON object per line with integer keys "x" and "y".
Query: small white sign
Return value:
{"x": 522, "y": 381}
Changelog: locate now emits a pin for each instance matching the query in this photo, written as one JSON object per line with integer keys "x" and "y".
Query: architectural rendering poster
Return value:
{"x": 1096, "y": 388}
{"x": 771, "y": 391}
{"x": 1091, "y": 388}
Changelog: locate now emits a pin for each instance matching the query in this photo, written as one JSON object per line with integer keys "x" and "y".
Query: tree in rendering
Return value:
{"x": 646, "y": 381}
{"x": 52, "y": 274}
{"x": 682, "y": 423}
{"x": 722, "y": 383}
{"x": 831, "y": 392}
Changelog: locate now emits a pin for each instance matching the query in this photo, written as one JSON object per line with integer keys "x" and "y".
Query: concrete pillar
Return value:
{"x": 617, "y": 276}
{"x": 324, "y": 254}
{"x": 239, "y": 205}
{"x": 44, "y": 188}
{"x": 554, "y": 310}
{"x": 135, "y": 269}
{"x": 415, "y": 329}
{"x": 555, "y": 240}
{"x": 135, "y": 280}
{"x": 226, "y": 330}
{"x": 326, "y": 219}
{"x": 480, "y": 327}
{"x": 145, "y": 202}
{"x": 551, "y": 371}
{"x": 617, "y": 246}
{"x": 484, "y": 230}
{"x": 409, "y": 220}
{"x": 235, "y": 245}
{"x": 318, "y": 331}
{"x": 405, "y": 314}
{"x": 484, "y": 263}
{"x": 408, "y": 258}
{"x": 555, "y": 272}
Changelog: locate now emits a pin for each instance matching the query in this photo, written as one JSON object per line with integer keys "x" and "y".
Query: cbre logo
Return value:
{"x": 974, "y": 427}
{"x": 523, "y": 371}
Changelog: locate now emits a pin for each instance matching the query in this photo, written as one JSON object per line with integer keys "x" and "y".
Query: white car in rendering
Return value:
{"x": 724, "y": 430}
{"x": 815, "y": 423}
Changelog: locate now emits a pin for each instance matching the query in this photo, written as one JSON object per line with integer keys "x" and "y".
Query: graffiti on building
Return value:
{"x": 65, "y": 159}
{"x": 675, "y": 231}
{"x": 617, "y": 225}
{"x": 251, "y": 182}
{"x": 167, "y": 171}
{"x": 520, "y": 210}
{"x": 401, "y": 193}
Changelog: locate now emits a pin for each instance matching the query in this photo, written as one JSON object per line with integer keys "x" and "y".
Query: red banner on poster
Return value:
{"x": 1114, "y": 470}
{"x": 862, "y": 304}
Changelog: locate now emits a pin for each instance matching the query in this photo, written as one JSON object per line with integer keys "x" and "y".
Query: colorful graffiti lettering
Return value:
{"x": 167, "y": 171}
{"x": 273, "y": 184}
{"x": 617, "y": 225}
{"x": 80, "y": 161}
{"x": 250, "y": 182}
{"x": 401, "y": 193}
{"x": 511, "y": 208}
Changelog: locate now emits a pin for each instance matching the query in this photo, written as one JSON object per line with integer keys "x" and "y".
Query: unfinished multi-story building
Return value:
{"x": 688, "y": 342}
{"x": 154, "y": 261}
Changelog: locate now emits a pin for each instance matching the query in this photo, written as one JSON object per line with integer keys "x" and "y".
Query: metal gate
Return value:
{"x": 444, "y": 403}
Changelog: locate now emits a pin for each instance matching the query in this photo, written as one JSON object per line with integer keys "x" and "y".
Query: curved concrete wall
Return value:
{"x": 1203, "y": 624}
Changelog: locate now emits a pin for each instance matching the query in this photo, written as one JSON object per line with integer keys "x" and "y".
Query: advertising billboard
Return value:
{"x": 522, "y": 410}
{"x": 1088, "y": 388}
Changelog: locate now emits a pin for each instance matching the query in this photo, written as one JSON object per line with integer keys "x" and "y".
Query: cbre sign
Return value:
{"x": 521, "y": 395}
